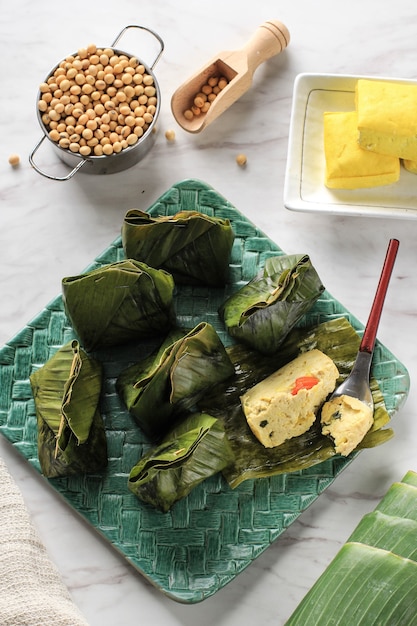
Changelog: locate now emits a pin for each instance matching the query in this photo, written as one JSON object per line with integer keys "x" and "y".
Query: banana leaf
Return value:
{"x": 195, "y": 248}
{"x": 388, "y": 532}
{"x": 400, "y": 500}
{"x": 373, "y": 578}
{"x": 194, "y": 450}
{"x": 262, "y": 312}
{"x": 174, "y": 378}
{"x": 362, "y": 585}
{"x": 393, "y": 524}
{"x": 118, "y": 303}
{"x": 338, "y": 339}
{"x": 410, "y": 478}
{"x": 66, "y": 391}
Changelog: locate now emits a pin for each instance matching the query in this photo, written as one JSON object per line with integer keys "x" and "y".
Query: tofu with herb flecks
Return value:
{"x": 285, "y": 404}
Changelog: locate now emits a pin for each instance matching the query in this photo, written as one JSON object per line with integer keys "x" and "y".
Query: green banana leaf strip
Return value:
{"x": 362, "y": 585}
{"x": 263, "y": 312}
{"x": 144, "y": 388}
{"x": 392, "y": 525}
{"x": 201, "y": 362}
{"x": 194, "y": 450}
{"x": 195, "y": 248}
{"x": 81, "y": 396}
{"x": 336, "y": 338}
{"x": 400, "y": 500}
{"x": 410, "y": 478}
{"x": 172, "y": 380}
{"x": 71, "y": 435}
{"x": 388, "y": 532}
{"x": 119, "y": 302}
{"x": 133, "y": 380}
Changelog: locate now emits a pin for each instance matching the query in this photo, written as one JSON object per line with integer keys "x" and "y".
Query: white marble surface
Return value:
{"x": 49, "y": 229}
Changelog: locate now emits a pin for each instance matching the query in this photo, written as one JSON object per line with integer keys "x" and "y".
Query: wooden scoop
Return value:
{"x": 237, "y": 67}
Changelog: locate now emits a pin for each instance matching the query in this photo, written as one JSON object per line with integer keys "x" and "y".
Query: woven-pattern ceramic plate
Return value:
{"x": 216, "y": 532}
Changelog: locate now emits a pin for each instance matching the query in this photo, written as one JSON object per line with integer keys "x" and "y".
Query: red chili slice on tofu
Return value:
{"x": 304, "y": 382}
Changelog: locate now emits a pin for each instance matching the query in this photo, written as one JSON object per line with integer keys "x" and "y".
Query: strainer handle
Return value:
{"x": 50, "y": 176}
{"x": 152, "y": 32}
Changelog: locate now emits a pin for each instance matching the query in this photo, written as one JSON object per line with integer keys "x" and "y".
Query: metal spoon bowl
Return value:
{"x": 357, "y": 384}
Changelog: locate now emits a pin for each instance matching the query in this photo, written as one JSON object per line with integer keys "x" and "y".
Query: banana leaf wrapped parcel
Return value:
{"x": 171, "y": 380}
{"x": 337, "y": 339}
{"x": 119, "y": 302}
{"x": 195, "y": 248}
{"x": 194, "y": 450}
{"x": 262, "y": 312}
{"x": 71, "y": 435}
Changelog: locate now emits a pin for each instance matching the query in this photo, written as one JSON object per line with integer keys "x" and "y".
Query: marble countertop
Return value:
{"x": 49, "y": 229}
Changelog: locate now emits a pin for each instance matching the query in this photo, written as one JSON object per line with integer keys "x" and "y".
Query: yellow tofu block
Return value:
{"x": 387, "y": 120}
{"x": 410, "y": 166}
{"x": 348, "y": 166}
{"x": 277, "y": 410}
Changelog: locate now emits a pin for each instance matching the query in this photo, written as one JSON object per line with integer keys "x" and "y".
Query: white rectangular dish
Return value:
{"x": 304, "y": 188}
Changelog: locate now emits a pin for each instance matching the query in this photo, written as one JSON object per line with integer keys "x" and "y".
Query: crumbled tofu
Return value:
{"x": 346, "y": 420}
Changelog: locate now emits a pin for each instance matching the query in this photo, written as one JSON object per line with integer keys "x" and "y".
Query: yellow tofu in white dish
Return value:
{"x": 348, "y": 166}
{"x": 410, "y": 166}
{"x": 387, "y": 121}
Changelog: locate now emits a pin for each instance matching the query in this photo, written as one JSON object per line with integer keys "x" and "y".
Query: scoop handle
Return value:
{"x": 269, "y": 39}
{"x": 369, "y": 336}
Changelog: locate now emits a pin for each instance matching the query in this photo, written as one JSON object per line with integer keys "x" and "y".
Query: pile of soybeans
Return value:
{"x": 97, "y": 102}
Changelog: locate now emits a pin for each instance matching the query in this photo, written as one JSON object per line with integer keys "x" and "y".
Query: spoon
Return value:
{"x": 237, "y": 67}
{"x": 356, "y": 384}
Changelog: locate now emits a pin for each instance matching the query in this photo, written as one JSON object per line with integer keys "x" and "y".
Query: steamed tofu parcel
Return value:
{"x": 285, "y": 404}
{"x": 348, "y": 166}
{"x": 387, "y": 121}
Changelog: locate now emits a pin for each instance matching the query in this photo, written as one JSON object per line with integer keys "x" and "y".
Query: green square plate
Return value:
{"x": 216, "y": 532}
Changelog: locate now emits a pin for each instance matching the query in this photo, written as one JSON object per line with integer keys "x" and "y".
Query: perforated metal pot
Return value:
{"x": 105, "y": 164}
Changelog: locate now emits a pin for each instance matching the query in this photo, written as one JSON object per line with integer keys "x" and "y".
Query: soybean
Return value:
{"x": 14, "y": 160}
{"x": 203, "y": 100}
{"x": 170, "y": 135}
{"x": 97, "y": 102}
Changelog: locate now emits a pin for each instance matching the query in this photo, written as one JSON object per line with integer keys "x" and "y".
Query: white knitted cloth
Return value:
{"x": 31, "y": 590}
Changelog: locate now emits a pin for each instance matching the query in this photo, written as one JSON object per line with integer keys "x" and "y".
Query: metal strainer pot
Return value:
{"x": 105, "y": 164}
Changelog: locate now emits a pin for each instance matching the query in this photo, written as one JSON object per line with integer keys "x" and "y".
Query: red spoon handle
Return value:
{"x": 369, "y": 335}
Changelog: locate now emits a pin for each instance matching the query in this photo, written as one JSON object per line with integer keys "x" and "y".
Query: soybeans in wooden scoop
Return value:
{"x": 237, "y": 67}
